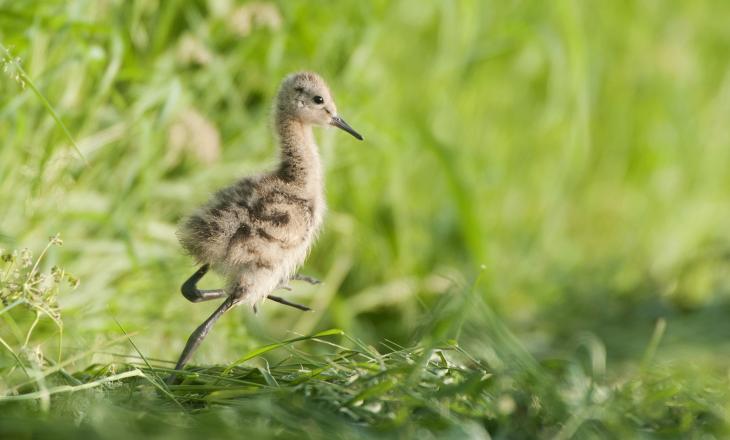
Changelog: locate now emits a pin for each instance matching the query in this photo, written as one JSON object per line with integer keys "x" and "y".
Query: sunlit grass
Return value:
{"x": 570, "y": 156}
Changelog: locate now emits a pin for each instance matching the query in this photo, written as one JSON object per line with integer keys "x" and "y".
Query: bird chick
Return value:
{"x": 258, "y": 231}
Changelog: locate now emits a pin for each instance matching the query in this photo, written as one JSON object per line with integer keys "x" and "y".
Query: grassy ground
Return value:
{"x": 531, "y": 242}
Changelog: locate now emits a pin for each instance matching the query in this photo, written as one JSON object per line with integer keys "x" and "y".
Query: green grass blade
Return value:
{"x": 46, "y": 104}
{"x": 71, "y": 389}
{"x": 266, "y": 348}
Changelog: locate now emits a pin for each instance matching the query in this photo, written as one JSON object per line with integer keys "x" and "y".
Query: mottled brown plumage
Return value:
{"x": 257, "y": 232}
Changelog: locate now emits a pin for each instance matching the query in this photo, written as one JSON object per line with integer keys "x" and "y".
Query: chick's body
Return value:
{"x": 258, "y": 231}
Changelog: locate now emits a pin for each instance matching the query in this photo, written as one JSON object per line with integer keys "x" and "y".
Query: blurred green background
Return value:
{"x": 570, "y": 155}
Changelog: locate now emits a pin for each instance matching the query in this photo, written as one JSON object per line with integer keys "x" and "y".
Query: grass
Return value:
{"x": 531, "y": 242}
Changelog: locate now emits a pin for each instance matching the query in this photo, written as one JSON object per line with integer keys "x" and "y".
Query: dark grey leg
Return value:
{"x": 306, "y": 279}
{"x": 199, "y": 334}
{"x": 191, "y": 292}
{"x": 281, "y": 300}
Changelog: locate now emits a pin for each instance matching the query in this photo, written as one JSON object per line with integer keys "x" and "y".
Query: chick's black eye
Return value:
{"x": 318, "y": 100}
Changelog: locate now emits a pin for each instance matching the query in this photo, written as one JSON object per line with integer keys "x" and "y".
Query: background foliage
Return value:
{"x": 544, "y": 182}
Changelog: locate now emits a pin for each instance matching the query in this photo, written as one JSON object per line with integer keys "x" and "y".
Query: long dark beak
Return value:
{"x": 340, "y": 123}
